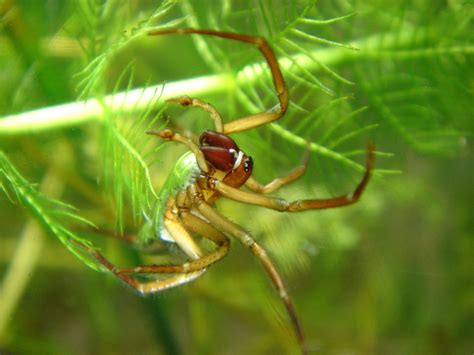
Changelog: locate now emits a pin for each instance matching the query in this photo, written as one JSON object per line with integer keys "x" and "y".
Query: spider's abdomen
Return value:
{"x": 184, "y": 173}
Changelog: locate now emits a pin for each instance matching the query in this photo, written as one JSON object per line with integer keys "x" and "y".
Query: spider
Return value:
{"x": 215, "y": 167}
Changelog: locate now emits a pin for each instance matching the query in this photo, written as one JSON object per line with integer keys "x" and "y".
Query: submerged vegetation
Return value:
{"x": 82, "y": 83}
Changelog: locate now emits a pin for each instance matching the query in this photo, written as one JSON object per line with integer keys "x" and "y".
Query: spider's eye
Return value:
{"x": 248, "y": 164}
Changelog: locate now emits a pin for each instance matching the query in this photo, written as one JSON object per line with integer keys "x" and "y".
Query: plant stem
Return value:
{"x": 77, "y": 113}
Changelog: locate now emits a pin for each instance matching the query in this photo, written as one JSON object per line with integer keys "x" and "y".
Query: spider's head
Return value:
{"x": 223, "y": 154}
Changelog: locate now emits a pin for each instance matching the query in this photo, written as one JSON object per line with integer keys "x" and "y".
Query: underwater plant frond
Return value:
{"x": 55, "y": 216}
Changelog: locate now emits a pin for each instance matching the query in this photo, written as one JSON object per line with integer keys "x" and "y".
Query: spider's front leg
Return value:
{"x": 262, "y": 118}
{"x": 300, "y": 205}
{"x": 275, "y": 184}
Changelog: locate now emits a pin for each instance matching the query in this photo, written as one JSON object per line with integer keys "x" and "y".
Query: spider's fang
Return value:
{"x": 238, "y": 160}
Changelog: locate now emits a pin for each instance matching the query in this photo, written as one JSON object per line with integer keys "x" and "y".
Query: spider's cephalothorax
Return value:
{"x": 232, "y": 166}
{"x": 217, "y": 168}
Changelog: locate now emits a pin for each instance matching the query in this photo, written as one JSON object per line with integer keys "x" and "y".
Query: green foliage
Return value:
{"x": 108, "y": 19}
{"x": 127, "y": 156}
{"x": 54, "y": 215}
{"x": 413, "y": 96}
{"x": 395, "y": 73}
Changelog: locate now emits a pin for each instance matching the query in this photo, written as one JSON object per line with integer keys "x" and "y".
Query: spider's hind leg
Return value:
{"x": 143, "y": 287}
{"x": 195, "y": 225}
{"x": 228, "y": 227}
{"x": 175, "y": 224}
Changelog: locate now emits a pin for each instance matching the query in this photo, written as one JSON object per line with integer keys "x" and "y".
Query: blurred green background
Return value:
{"x": 392, "y": 274}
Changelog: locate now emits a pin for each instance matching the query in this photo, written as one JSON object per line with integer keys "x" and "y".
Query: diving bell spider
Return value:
{"x": 214, "y": 168}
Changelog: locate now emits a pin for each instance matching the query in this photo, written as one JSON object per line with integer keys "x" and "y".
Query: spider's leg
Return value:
{"x": 109, "y": 233}
{"x": 188, "y": 101}
{"x": 300, "y": 205}
{"x": 261, "y": 118}
{"x": 172, "y": 136}
{"x": 131, "y": 239}
{"x": 183, "y": 273}
{"x": 275, "y": 184}
{"x": 143, "y": 287}
{"x": 228, "y": 227}
{"x": 196, "y": 225}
